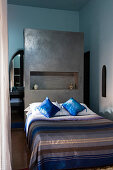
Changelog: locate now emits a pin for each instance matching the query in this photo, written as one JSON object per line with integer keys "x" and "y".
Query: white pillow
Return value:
{"x": 32, "y": 106}
{"x": 86, "y": 111}
{"x": 27, "y": 109}
{"x": 62, "y": 112}
{"x": 33, "y": 110}
{"x": 38, "y": 114}
{"x": 28, "y": 112}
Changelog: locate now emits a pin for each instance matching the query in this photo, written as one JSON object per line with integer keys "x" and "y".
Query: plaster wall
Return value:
{"x": 97, "y": 24}
{"x": 21, "y": 17}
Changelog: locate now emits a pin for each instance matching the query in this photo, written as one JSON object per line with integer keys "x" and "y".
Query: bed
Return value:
{"x": 54, "y": 60}
{"x": 69, "y": 142}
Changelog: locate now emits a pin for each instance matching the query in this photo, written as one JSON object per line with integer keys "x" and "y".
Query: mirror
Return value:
{"x": 16, "y": 65}
{"x": 16, "y": 71}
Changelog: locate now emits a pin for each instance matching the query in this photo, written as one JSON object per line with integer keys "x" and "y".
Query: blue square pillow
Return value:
{"x": 47, "y": 108}
{"x": 73, "y": 107}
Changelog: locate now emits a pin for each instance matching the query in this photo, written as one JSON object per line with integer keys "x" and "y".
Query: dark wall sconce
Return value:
{"x": 104, "y": 81}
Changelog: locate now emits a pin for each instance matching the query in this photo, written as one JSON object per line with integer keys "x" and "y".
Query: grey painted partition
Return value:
{"x": 57, "y": 52}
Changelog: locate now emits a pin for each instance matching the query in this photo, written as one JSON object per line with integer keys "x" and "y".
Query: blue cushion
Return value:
{"x": 47, "y": 108}
{"x": 73, "y": 107}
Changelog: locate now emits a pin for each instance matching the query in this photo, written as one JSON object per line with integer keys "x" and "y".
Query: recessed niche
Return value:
{"x": 54, "y": 80}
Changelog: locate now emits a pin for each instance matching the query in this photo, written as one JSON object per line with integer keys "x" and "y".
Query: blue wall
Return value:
{"x": 96, "y": 21}
{"x": 20, "y": 17}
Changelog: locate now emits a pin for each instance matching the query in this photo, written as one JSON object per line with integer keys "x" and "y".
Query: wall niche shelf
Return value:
{"x": 54, "y": 80}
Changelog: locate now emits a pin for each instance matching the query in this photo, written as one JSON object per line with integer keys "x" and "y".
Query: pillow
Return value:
{"x": 34, "y": 105}
{"x": 27, "y": 109}
{"x": 28, "y": 113}
{"x": 47, "y": 108}
{"x": 73, "y": 107}
{"x": 33, "y": 108}
{"x": 62, "y": 112}
{"x": 86, "y": 111}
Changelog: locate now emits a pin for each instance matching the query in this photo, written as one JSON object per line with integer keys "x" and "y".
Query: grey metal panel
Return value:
{"x": 54, "y": 95}
{"x": 53, "y": 51}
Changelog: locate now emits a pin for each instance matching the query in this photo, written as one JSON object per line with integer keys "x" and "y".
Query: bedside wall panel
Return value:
{"x": 53, "y": 52}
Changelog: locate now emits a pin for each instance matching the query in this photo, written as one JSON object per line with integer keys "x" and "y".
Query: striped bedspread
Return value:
{"x": 69, "y": 142}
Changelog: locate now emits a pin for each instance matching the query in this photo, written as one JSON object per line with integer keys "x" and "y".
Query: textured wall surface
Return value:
{"x": 21, "y": 17}
{"x": 53, "y": 51}
{"x": 96, "y": 22}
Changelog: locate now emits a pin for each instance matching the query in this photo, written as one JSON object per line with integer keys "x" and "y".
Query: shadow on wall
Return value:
{"x": 94, "y": 73}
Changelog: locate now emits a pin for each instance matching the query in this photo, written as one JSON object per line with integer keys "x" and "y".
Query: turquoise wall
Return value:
{"x": 20, "y": 17}
{"x": 96, "y": 22}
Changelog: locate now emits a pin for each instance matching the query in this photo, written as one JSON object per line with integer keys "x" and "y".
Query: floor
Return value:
{"x": 17, "y": 117}
{"x": 21, "y": 153}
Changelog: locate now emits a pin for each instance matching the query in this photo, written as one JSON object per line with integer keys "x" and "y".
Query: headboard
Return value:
{"x": 54, "y": 61}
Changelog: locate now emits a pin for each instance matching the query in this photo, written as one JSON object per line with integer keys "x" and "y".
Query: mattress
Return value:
{"x": 69, "y": 142}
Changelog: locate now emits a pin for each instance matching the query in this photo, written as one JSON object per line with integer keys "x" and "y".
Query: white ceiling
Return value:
{"x": 70, "y": 5}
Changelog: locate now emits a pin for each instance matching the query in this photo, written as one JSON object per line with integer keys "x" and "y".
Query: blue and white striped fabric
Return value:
{"x": 69, "y": 142}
